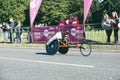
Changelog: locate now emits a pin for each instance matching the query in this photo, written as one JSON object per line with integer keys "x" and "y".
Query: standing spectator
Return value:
{"x": 0, "y": 30}
{"x": 106, "y": 24}
{"x": 62, "y": 22}
{"x": 75, "y": 21}
{"x": 70, "y": 20}
{"x": 11, "y": 24}
{"x": 18, "y": 31}
{"x": 5, "y": 32}
{"x": 115, "y": 26}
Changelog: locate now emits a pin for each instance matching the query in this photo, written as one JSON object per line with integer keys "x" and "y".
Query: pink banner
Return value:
{"x": 43, "y": 34}
{"x": 34, "y": 7}
{"x": 87, "y": 4}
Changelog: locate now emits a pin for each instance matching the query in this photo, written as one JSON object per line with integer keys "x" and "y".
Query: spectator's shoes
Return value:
{"x": 108, "y": 43}
{"x": 115, "y": 42}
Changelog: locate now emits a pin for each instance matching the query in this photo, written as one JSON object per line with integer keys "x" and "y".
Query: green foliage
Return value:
{"x": 13, "y": 8}
{"x": 95, "y": 14}
{"x": 51, "y": 11}
{"x": 76, "y": 9}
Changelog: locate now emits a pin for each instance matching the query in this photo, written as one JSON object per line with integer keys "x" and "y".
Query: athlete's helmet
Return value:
{"x": 65, "y": 31}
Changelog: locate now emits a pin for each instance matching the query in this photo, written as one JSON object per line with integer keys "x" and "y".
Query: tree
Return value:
{"x": 13, "y": 8}
{"x": 95, "y": 14}
{"x": 76, "y": 9}
{"x": 51, "y": 11}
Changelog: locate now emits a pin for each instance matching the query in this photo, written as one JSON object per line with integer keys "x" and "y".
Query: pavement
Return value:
{"x": 95, "y": 48}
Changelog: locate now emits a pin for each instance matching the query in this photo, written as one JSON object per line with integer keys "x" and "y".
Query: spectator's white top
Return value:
{"x": 0, "y": 25}
{"x": 106, "y": 24}
{"x": 58, "y": 35}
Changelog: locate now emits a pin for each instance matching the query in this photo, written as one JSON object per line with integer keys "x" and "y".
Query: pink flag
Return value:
{"x": 87, "y": 4}
{"x": 34, "y": 7}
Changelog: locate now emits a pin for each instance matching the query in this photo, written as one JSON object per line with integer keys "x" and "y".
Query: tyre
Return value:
{"x": 63, "y": 50}
{"x": 85, "y": 49}
{"x": 52, "y": 48}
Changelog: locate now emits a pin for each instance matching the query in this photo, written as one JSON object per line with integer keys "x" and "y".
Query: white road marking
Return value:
{"x": 45, "y": 62}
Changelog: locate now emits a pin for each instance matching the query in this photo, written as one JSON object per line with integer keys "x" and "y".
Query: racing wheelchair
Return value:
{"x": 62, "y": 46}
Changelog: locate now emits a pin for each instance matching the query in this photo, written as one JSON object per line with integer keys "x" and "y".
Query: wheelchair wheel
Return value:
{"x": 85, "y": 49}
{"x": 63, "y": 50}
{"x": 52, "y": 48}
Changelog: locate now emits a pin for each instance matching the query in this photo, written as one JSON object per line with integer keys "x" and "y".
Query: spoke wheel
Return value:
{"x": 52, "y": 48}
{"x": 85, "y": 49}
{"x": 63, "y": 50}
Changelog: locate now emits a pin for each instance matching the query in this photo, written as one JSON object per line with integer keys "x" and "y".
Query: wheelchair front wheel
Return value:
{"x": 85, "y": 49}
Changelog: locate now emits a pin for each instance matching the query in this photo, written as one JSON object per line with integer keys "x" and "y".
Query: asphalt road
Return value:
{"x": 34, "y": 64}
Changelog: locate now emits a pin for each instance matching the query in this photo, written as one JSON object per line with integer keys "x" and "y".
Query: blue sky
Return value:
{"x": 100, "y": 1}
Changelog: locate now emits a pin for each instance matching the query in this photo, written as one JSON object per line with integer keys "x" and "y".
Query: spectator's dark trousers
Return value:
{"x": 116, "y": 35}
{"x": 108, "y": 32}
{"x": 11, "y": 35}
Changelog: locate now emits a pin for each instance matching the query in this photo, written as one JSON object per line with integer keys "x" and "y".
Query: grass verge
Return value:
{"x": 22, "y": 45}
{"x": 42, "y": 46}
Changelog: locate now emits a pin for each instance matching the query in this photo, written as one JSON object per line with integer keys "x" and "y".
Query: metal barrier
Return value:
{"x": 15, "y": 36}
{"x": 94, "y": 35}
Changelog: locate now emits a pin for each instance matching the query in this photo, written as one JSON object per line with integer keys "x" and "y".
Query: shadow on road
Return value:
{"x": 43, "y": 53}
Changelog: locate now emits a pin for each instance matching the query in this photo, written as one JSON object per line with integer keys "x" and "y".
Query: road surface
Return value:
{"x": 34, "y": 64}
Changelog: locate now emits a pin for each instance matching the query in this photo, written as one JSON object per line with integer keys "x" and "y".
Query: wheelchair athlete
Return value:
{"x": 59, "y": 35}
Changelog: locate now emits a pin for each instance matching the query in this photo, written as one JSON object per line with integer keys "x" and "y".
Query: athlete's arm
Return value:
{"x": 58, "y": 35}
